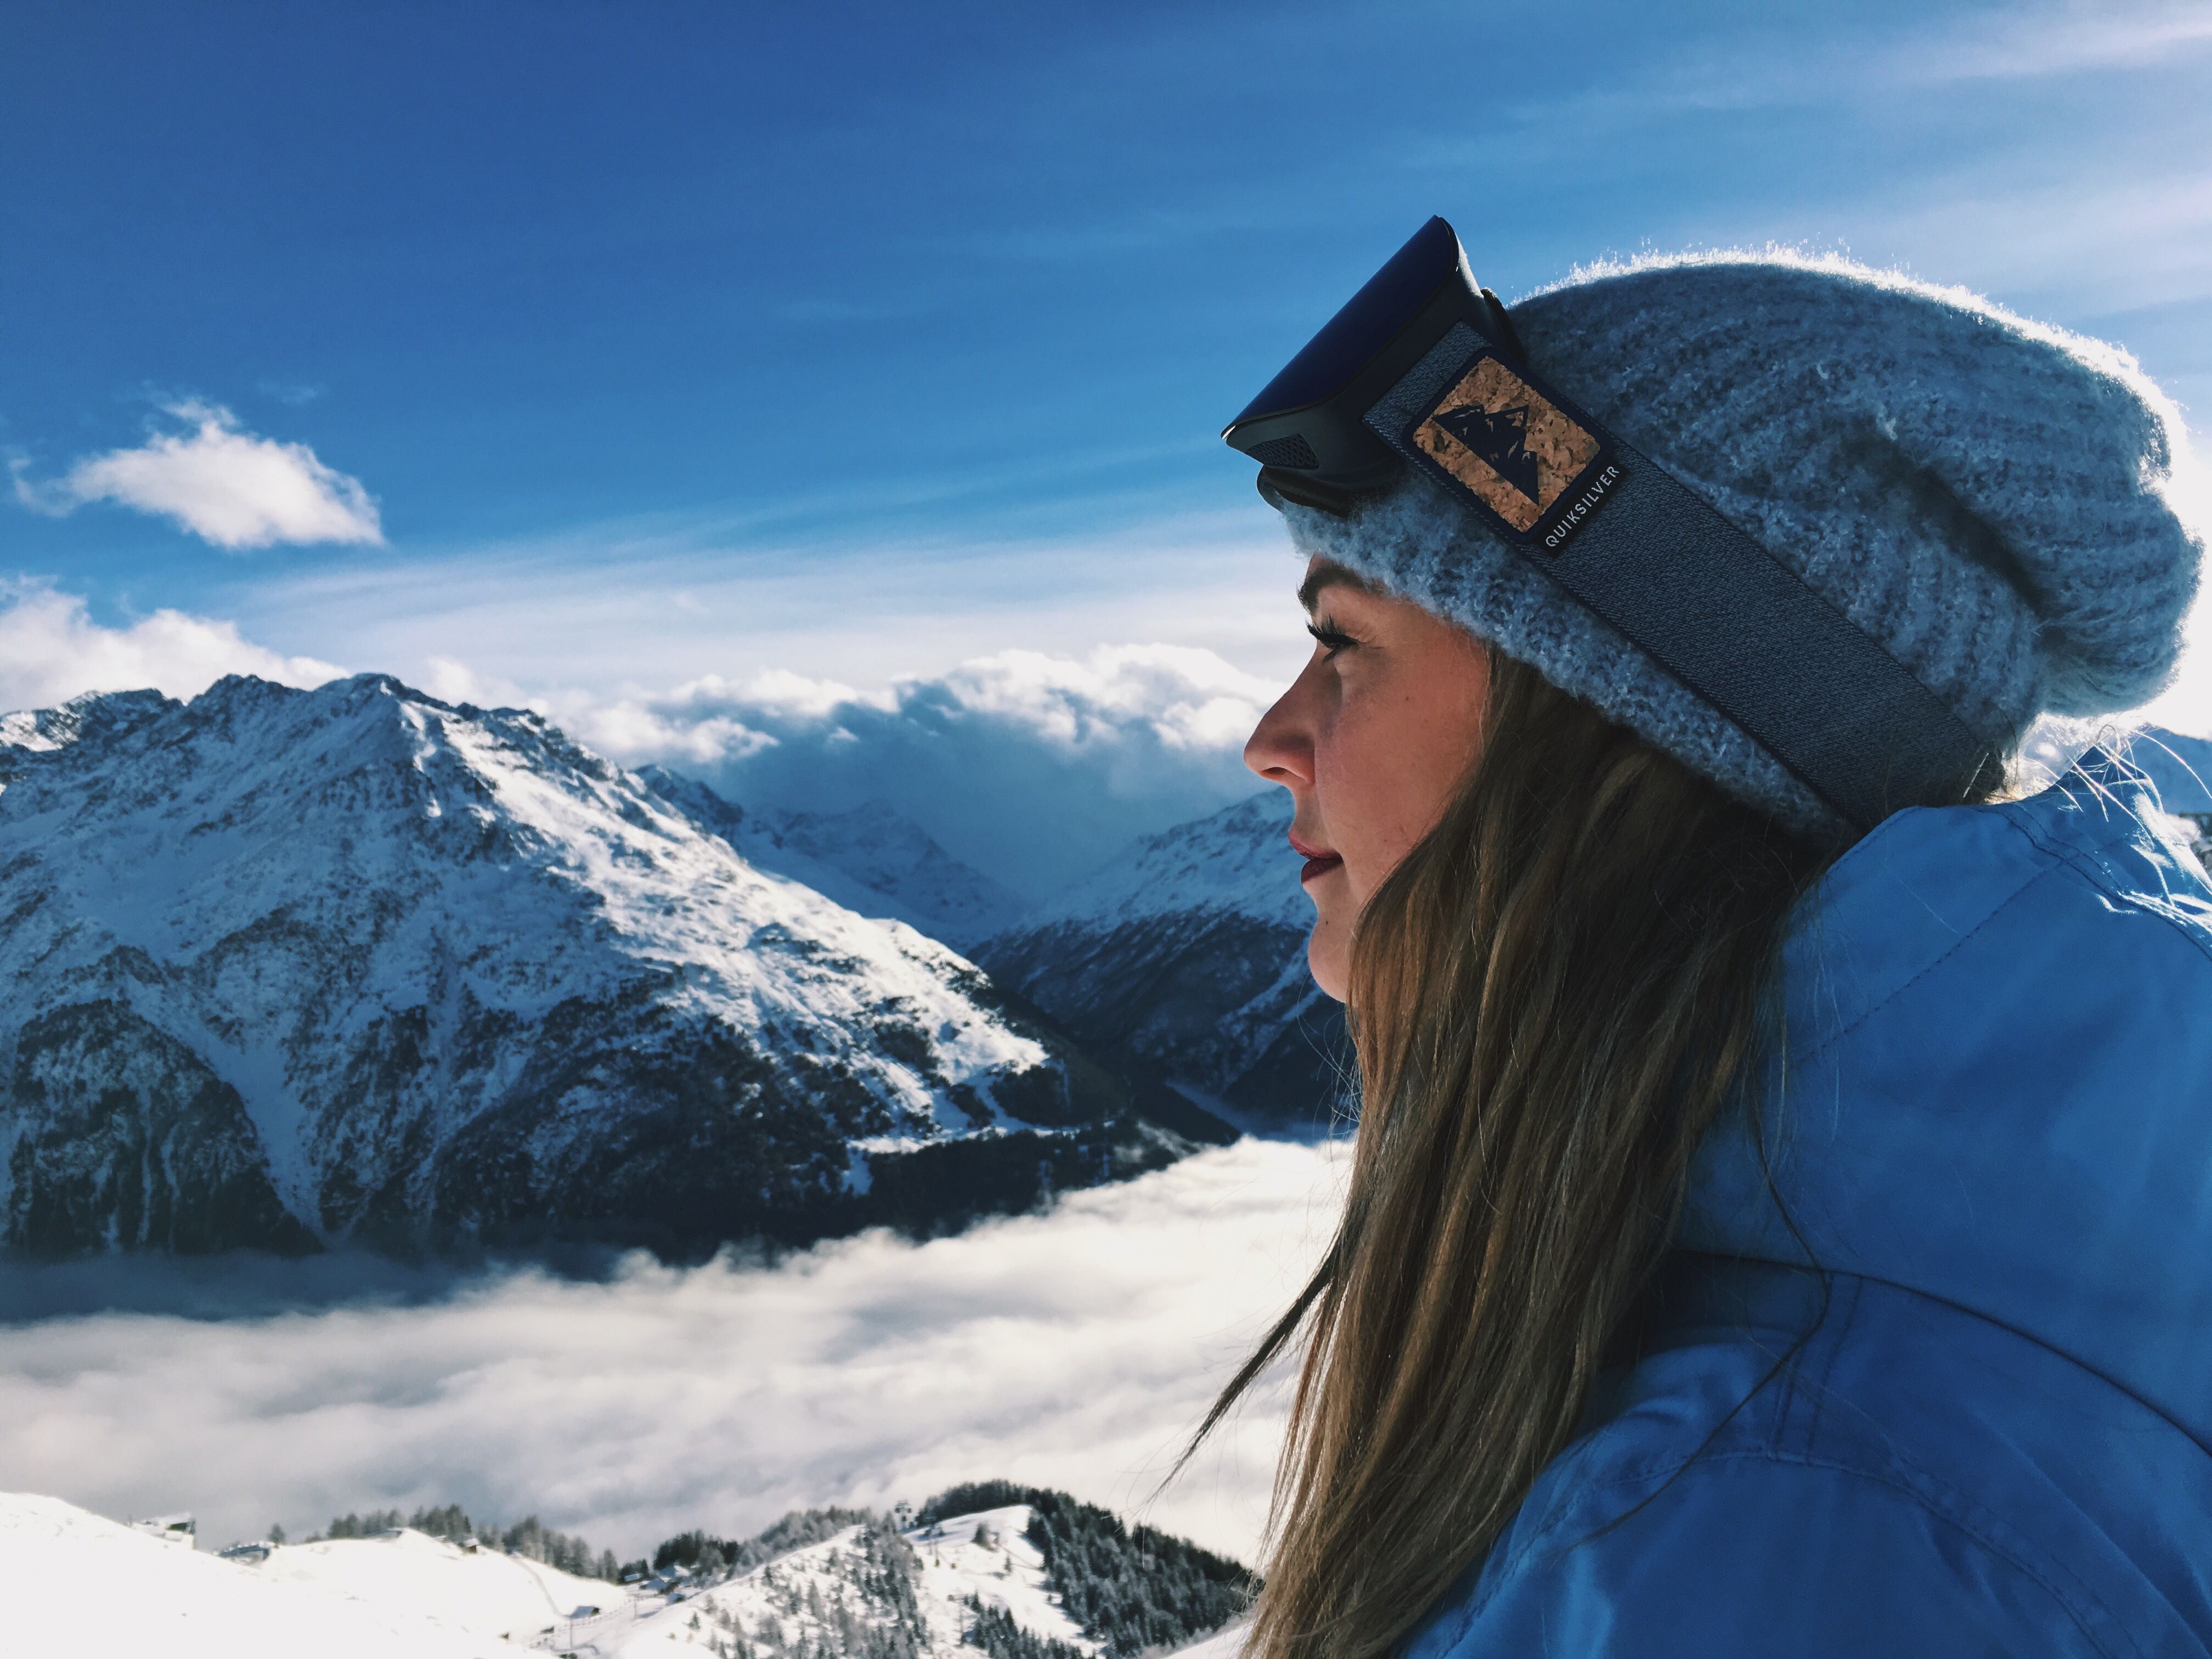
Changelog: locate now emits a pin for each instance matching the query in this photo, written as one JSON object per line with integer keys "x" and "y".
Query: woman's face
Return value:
{"x": 1373, "y": 741}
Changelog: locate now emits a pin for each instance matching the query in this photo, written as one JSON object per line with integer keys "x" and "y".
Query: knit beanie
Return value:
{"x": 1993, "y": 501}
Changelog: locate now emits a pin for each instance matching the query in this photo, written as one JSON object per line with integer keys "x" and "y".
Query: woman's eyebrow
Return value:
{"x": 1324, "y": 576}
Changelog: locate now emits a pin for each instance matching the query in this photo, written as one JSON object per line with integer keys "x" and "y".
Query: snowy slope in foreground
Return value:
{"x": 481, "y": 1591}
{"x": 1188, "y": 954}
{"x": 285, "y": 968}
{"x": 1222, "y": 1644}
{"x": 76, "y": 1586}
{"x": 80, "y": 1587}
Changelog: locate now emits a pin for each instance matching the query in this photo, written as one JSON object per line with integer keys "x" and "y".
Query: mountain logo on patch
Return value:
{"x": 1500, "y": 437}
{"x": 1513, "y": 450}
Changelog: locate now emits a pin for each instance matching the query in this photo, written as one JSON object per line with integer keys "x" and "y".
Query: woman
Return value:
{"x": 1780, "y": 1218}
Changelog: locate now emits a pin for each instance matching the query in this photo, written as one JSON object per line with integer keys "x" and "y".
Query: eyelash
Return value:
{"x": 1329, "y": 639}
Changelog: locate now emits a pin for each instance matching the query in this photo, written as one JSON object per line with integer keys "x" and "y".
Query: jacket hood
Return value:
{"x": 1995, "y": 1084}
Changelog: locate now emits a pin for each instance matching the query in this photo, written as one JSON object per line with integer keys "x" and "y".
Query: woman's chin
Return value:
{"x": 1328, "y": 955}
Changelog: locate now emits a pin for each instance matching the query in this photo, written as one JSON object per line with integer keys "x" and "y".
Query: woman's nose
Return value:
{"x": 1280, "y": 748}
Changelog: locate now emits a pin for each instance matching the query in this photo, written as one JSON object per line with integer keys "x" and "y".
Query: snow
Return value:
{"x": 1189, "y": 949}
{"x": 77, "y": 1586}
{"x": 31, "y": 729}
{"x": 482, "y": 1591}
{"x": 279, "y": 879}
{"x": 797, "y": 1597}
{"x": 1222, "y": 1644}
{"x": 1007, "y": 1573}
{"x": 1238, "y": 860}
{"x": 82, "y": 1586}
{"x": 871, "y": 858}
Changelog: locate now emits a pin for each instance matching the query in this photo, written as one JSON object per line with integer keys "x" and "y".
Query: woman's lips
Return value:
{"x": 1319, "y": 860}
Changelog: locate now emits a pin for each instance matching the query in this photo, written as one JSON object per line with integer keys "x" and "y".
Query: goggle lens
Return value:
{"x": 1369, "y": 321}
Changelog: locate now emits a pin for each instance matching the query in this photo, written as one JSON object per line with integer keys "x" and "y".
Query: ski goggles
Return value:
{"x": 1423, "y": 369}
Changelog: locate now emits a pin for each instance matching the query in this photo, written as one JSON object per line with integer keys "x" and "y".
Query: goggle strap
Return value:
{"x": 1716, "y": 609}
{"x": 1506, "y": 337}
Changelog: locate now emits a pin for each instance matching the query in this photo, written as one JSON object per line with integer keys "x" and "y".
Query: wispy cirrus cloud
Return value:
{"x": 1846, "y": 62}
{"x": 2071, "y": 38}
{"x": 228, "y": 486}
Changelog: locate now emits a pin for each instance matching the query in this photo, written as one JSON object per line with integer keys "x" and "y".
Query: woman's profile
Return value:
{"x": 1780, "y": 1219}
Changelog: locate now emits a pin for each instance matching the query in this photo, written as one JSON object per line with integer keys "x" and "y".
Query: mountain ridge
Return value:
{"x": 1187, "y": 955}
{"x": 871, "y": 858}
{"x": 285, "y": 968}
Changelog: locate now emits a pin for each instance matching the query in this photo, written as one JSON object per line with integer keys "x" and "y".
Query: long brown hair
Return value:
{"x": 1550, "y": 998}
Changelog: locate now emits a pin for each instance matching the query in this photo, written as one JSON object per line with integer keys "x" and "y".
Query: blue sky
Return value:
{"x": 685, "y": 339}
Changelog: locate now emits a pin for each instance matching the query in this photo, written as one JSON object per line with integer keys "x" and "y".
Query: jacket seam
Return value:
{"x": 1909, "y": 1489}
{"x": 1837, "y": 1034}
{"x": 2036, "y": 1342}
{"x": 1858, "y": 1281}
{"x": 2057, "y": 858}
{"x": 2090, "y": 870}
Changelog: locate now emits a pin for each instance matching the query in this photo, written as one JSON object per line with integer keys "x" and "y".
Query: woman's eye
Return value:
{"x": 1329, "y": 639}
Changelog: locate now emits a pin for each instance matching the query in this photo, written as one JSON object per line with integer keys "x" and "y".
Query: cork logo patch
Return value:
{"x": 1517, "y": 451}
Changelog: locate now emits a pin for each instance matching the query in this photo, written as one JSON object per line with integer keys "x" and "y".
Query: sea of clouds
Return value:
{"x": 1074, "y": 1349}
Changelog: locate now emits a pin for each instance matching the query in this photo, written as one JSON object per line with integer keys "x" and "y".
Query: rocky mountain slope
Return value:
{"x": 1188, "y": 954}
{"x": 286, "y": 969}
{"x": 871, "y": 858}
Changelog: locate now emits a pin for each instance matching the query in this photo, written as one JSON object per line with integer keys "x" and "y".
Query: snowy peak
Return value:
{"x": 871, "y": 859}
{"x": 1188, "y": 954}
{"x": 1238, "y": 861}
{"x": 39, "y": 731}
{"x": 365, "y": 965}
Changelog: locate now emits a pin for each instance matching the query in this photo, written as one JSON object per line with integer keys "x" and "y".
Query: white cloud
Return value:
{"x": 1032, "y": 767}
{"x": 1074, "y": 1350}
{"x": 221, "y": 483}
{"x": 626, "y": 605}
{"x": 52, "y": 650}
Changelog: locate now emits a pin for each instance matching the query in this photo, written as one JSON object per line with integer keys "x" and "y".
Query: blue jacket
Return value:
{"x": 1986, "y": 1428}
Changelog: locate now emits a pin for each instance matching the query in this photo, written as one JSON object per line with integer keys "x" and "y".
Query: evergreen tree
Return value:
{"x": 993, "y": 1630}
{"x": 447, "y": 1520}
{"x": 364, "y": 1526}
{"x": 1129, "y": 1588}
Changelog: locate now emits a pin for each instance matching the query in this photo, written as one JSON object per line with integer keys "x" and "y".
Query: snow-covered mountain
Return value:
{"x": 284, "y": 967}
{"x": 1044, "y": 1577}
{"x": 871, "y": 858}
{"x": 1189, "y": 953}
